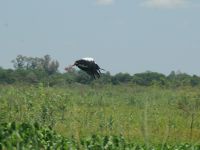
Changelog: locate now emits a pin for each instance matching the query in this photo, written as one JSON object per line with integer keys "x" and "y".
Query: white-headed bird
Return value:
{"x": 88, "y": 65}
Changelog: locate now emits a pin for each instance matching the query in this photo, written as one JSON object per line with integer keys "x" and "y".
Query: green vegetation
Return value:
{"x": 44, "y": 109}
{"x": 148, "y": 116}
{"x": 29, "y": 70}
{"x": 27, "y": 136}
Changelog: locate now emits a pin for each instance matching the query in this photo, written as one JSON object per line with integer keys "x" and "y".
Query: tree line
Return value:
{"x": 35, "y": 70}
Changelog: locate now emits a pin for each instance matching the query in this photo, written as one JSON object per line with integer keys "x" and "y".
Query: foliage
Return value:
{"x": 30, "y": 70}
{"x": 149, "y": 78}
{"x": 40, "y": 64}
{"x": 141, "y": 114}
{"x": 42, "y": 108}
{"x": 28, "y": 136}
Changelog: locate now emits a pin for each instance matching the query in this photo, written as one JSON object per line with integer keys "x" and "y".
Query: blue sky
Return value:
{"x": 121, "y": 35}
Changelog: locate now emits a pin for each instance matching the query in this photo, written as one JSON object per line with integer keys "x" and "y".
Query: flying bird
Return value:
{"x": 88, "y": 65}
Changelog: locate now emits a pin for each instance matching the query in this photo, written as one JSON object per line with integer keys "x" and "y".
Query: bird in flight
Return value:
{"x": 88, "y": 65}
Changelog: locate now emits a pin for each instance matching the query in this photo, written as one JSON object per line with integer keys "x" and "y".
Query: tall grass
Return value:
{"x": 142, "y": 114}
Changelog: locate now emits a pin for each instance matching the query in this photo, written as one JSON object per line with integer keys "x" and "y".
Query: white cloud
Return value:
{"x": 105, "y": 2}
{"x": 164, "y": 3}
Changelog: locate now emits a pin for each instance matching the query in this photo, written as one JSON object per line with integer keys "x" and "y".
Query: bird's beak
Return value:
{"x": 66, "y": 68}
{"x": 70, "y": 67}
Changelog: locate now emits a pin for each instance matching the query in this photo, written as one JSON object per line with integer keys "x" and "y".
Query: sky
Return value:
{"x": 128, "y": 36}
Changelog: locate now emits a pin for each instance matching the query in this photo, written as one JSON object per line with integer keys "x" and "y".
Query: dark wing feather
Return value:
{"x": 90, "y": 67}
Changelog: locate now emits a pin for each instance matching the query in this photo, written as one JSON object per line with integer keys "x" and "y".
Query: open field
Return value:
{"x": 146, "y": 115}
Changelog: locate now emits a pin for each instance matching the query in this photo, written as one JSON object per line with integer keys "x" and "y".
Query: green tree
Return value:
{"x": 195, "y": 80}
{"x": 123, "y": 77}
{"x": 30, "y": 63}
{"x": 50, "y": 66}
{"x": 149, "y": 78}
{"x": 178, "y": 78}
{"x": 19, "y": 62}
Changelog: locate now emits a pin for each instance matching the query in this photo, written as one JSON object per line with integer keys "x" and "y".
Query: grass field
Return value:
{"x": 144, "y": 115}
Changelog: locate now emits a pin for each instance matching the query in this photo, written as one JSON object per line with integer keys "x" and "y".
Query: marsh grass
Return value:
{"x": 142, "y": 114}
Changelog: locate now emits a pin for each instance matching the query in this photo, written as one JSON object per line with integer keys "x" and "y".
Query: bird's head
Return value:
{"x": 75, "y": 63}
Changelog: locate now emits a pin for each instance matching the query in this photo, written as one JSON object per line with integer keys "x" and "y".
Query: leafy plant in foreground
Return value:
{"x": 33, "y": 136}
